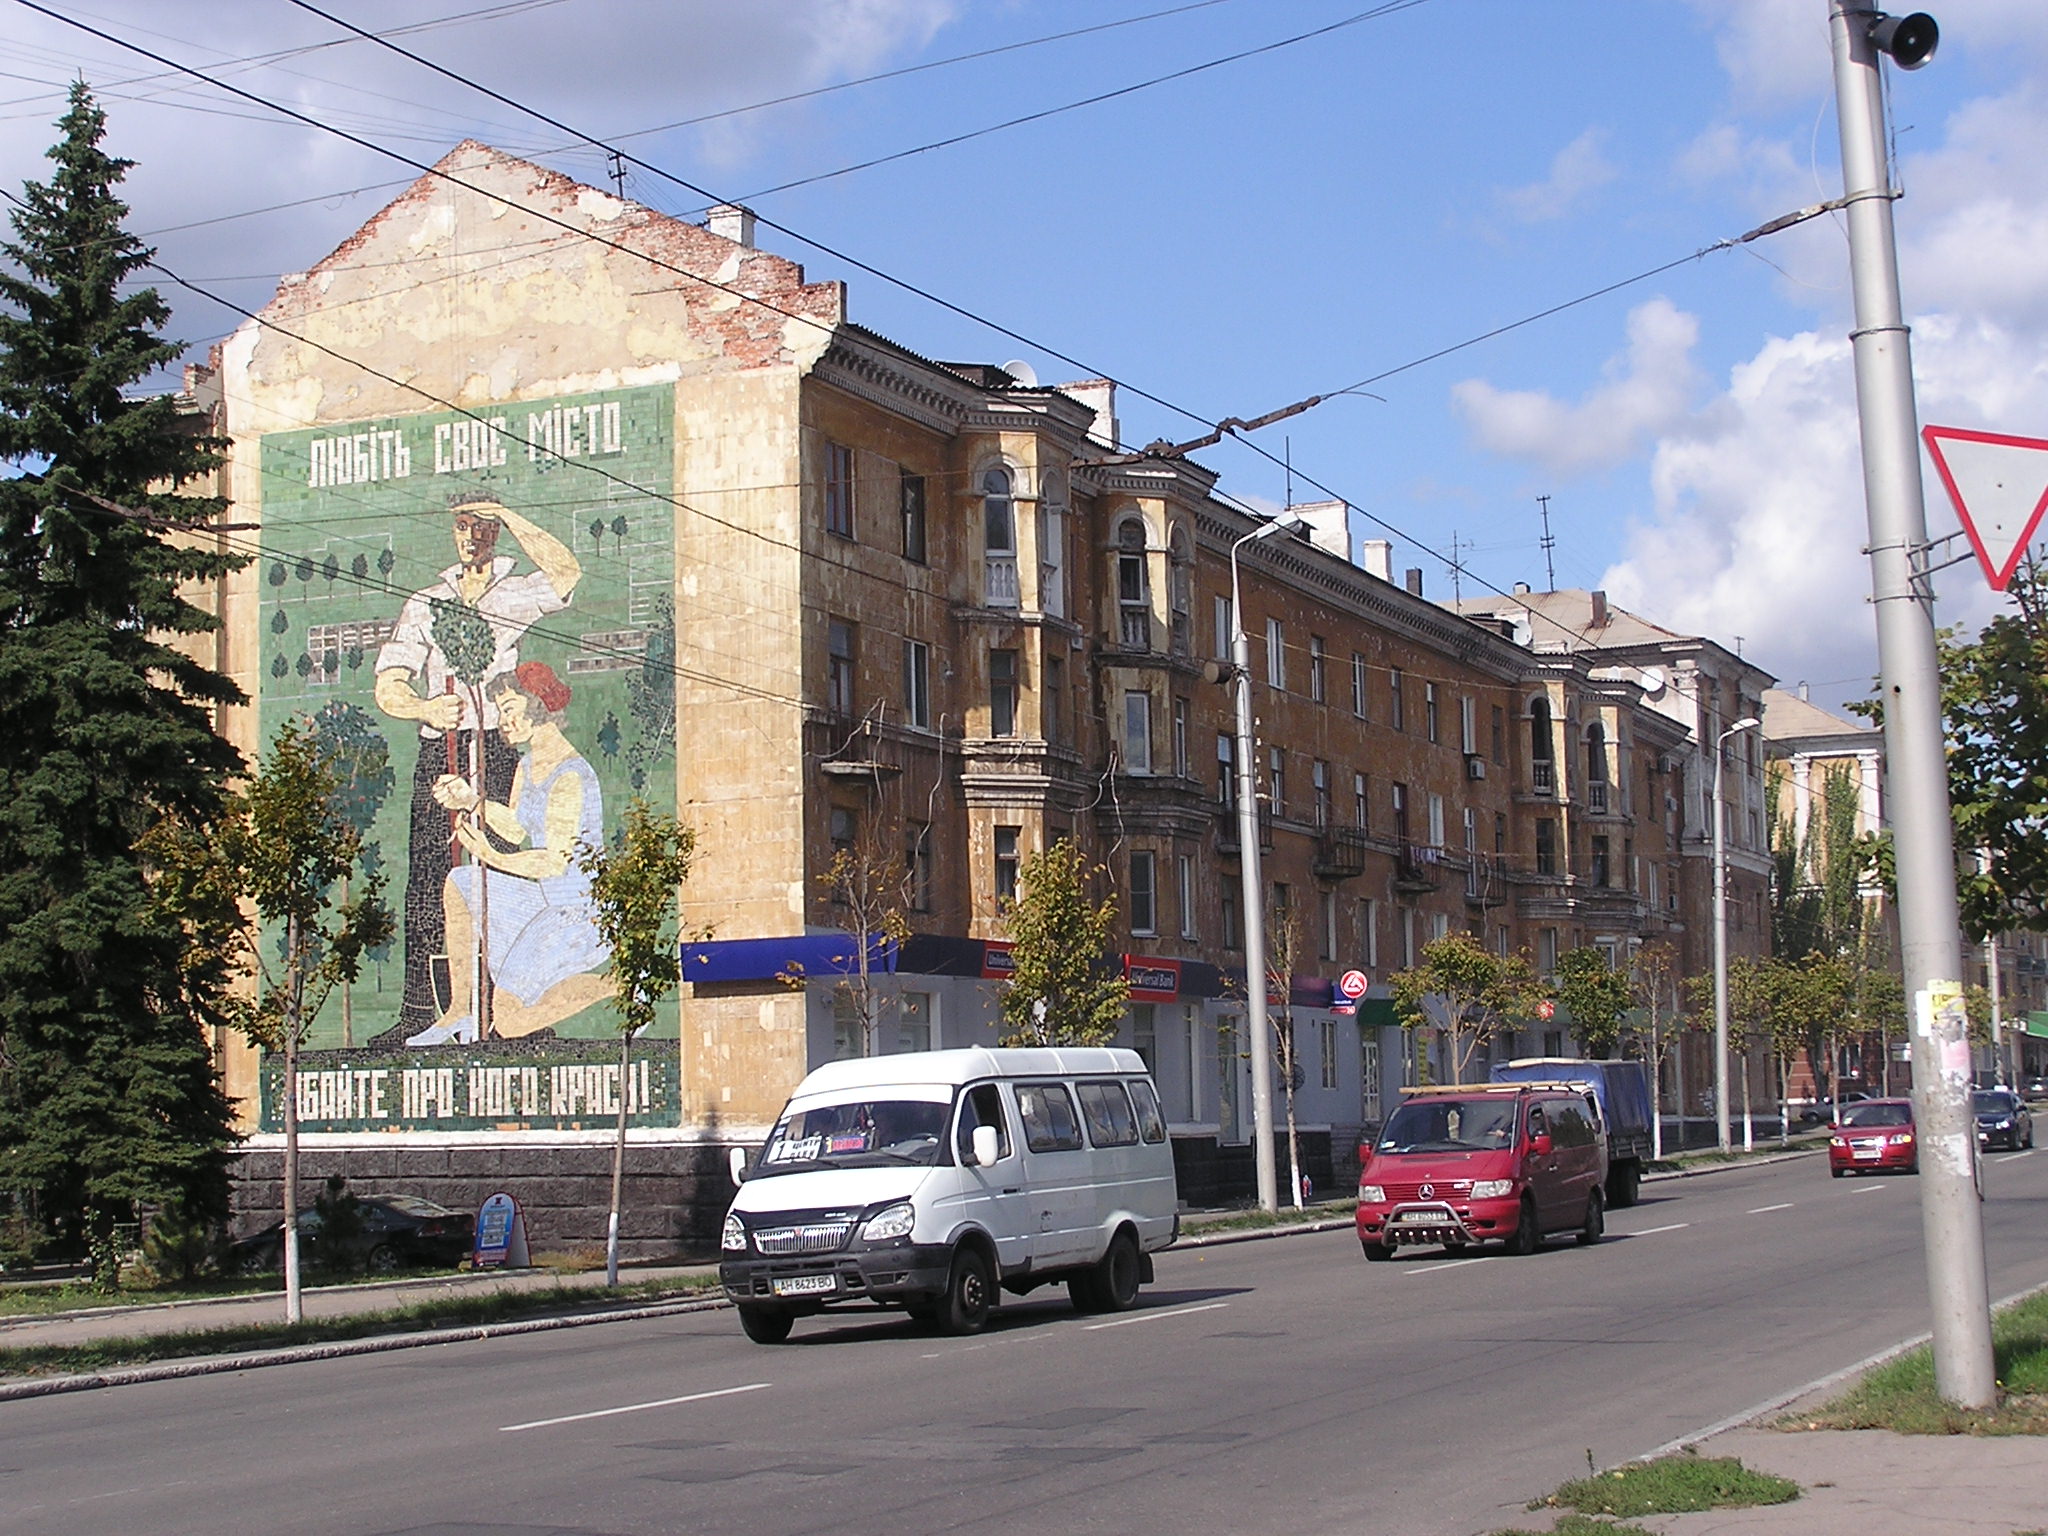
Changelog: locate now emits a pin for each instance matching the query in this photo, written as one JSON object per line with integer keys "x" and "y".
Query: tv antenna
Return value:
{"x": 1548, "y": 543}
{"x": 617, "y": 170}
{"x": 1457, "y": 569}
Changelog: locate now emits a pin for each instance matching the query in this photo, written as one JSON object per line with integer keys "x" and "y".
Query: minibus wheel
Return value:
{"x": 766, "y": 1325}
{"x": 970, "y": 1292}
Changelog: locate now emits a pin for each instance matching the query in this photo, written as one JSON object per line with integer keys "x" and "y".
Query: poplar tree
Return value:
{"x": 109, "y": 1099}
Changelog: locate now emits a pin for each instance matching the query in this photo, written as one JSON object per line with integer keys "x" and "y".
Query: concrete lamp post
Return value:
{"x": 1253, "y": 897}
{"x": 1747, "y": 723}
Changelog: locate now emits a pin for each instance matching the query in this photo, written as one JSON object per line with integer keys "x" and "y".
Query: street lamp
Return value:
{"x": 1253, "y": 897}
{"x": 1747, "y": 723}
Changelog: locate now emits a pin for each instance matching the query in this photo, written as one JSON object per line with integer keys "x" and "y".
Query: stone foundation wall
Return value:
{"x": 675, "y": 1196}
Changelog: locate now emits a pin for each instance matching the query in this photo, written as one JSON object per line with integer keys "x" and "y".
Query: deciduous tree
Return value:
{"x": 1066, "y": 987}
{"x": 1596, "y": 995}
{"x": 1466, "y": 992}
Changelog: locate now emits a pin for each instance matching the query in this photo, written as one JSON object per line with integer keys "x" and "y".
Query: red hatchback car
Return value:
{"x": 1873, "y": 1137}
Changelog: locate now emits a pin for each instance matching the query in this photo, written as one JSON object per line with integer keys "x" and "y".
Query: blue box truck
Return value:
{"x": 1623, "y": 1091}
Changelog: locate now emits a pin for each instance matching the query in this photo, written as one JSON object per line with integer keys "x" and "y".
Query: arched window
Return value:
{"x": 1133, "y": 589}
{"x": 1542, "y": 766}
{"x": 999, "y": 539}
{"x": 1596, "y": 767}
{"x": 1052, "y": 544}
{"x": 1181, "y": 590}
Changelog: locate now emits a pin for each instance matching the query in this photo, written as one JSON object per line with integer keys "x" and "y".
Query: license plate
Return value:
{"x": 1869, "y": 1154}
{"x": 805, "y": 1285}
{"x": 1426, "y": 1218}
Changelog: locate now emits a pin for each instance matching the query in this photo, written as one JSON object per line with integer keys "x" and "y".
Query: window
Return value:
{"x": 1468, "y": 724}
{"x": 1439, "y": 925}
{"x": 1006, "y": 863}
{"x": 1226, "y": 770}
{"x": 1326, "y": 926}
{"x": 1500, "y": 833}
{"x": 1151, "y": 1124}
{"x": 1400, "y": 813}
{"x": 1500, "y": 736}
{"x": 1319, "y": 782}
{"x": 1542, "y": 775}
{"x": 1436, "y": 821}
{"x": 1048, "y": 1114}
{"x": 1180, "y": 738}
{"x": 1326, "y": 1038}
{"x": 1546, "y": 951}
{"x": 1276, "y": 760}
{"x": 1133, "y": 591}
{"x": 1358, "y": 685}
{"x": 1226, "y": 910}
{"x": 1283, "y": 904}
{"x": 1361, "y": 802}
{"x": 1546, "y": 846}
{"x": 1188, "y": 928}
{"x": 849, "y": 1034}
{"x": 1397, "y": 705}
{"x": 1429, "y": 719}
{"x": 1144, "y": 898}
{"x": 983, "y": 1105}
{"x": 1137, "y": 731}
{"x": 1144, "y": 1036}
{"x": 1052, "y": 702}
{"x": 839, "y": 668}
{"x": 999, "y": 540}
{"x": 917, "y": 865}
{"x": 1107, "y": 1110}
{"x": 1002, "y": 693}
{"x": 1369, "y": 931}
{"x": 841, "y": 827}
{"x": 1601, "y": 871}
{"x": 1407, "y": 938}
{"x": 1052, "y": 556}
{"x": 914, "y": 1021}
{"x": 1318, "y": 671}
{"x": 1226, "y": 630}
{"x": 913, "y": 517}
{"x": 917, "y": 684}
{"x": 1180, "y": 591}
{"x": 839, "y": 490}
{"x": 1276, "y": 654}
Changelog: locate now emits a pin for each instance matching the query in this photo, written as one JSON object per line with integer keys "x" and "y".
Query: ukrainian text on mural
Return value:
{"x": 552, "y": 1086}
{"x": 474, "y": 613}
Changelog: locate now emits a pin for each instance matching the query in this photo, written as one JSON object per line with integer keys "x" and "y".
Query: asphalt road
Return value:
{"x": 1281, "y": 1386}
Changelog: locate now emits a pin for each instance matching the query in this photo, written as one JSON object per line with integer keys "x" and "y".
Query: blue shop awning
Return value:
{"x": 791, "y": 956}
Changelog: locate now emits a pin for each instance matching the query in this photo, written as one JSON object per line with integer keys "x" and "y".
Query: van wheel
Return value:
{"x": 1377, "y": 1253}
{"x": 766, "y": 1325}
{"x": 1596, "y": 1220}
{"x": 970, "y": 1293}
{"x": 1112, "y": 1285}
{"x": 1527, "y": 1238}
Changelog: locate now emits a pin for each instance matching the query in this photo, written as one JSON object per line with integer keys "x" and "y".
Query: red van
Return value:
{"x": 1499, "y": 1162}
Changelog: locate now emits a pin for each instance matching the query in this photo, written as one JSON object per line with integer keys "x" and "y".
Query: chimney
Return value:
{"x": 1377, "y": 557}
{"x": 1412, "y": 579}
{"x": 1099, "y": 395}
{"x": 1329, "y": 525}
{"x": 1600, "y": 614}
{"x": 1521, "y": 589}
{"x": 1802, "y": 692}
{"x": 731, "y": 222}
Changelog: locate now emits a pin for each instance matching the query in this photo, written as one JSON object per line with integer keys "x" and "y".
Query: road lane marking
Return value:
{"x": 1867, "y": 1189}
{"x": 1448, "y": 1264}
{"x": 1760, "y": 1210}
{"x": 1147, "y": 1317}
{"x": 1676, "y": 1226}
{"x": 605, "y": 1413}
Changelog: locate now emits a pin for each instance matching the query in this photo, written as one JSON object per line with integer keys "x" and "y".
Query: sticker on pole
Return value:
{"x": 1352, "y": 984}
{"x": 1999, "y": 486}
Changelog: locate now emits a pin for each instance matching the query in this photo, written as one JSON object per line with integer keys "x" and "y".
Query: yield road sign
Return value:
{"x": 1352, "y": 984}
{"x": 1999, "y": 486}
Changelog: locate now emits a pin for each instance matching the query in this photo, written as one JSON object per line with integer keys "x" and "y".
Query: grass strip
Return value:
{"x": 1671, "y": 1485}
{"x": 418, "y": 1317}
{"x": 1900, "y": 1396}
{"x": 1286, "y": 1216}
{"x": 1583, "y": 1525}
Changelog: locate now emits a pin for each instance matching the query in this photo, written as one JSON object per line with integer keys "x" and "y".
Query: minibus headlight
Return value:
{"x": 893, "y": 1221}
{"x": 1372, "y": 1194}
{"x": 1492, "y": 1189}
{"x": 734, "y": 1238}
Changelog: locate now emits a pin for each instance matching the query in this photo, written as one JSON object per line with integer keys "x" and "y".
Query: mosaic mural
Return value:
{"x": 476, "y": 614}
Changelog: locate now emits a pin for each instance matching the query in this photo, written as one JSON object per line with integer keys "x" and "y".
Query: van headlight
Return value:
{"x": 734, "y": 1238}
{"x": 1492, "y": 1189}
{"x": 890, "y": 1222}
{"x": 1372, "y": 1194}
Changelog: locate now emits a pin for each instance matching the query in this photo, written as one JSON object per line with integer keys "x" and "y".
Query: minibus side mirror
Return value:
{"x": 736, "y": 1162}
{"x": 985, "y": 1145}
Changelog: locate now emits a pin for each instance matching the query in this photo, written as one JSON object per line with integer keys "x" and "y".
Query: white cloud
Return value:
{"x": 1578, "y": 170}
{"x": 1649, "y": 387}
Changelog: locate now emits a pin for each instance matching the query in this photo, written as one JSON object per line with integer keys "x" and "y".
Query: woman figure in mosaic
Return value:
{"x": 545, "y": 951}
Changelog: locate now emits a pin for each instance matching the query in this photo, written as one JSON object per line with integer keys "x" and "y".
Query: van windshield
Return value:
{"x": 1450, "y": 1125}
{"x": 859, "y": 1133}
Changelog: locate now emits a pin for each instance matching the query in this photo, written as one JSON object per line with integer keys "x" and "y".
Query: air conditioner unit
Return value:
{"x": 1475, "y": 766}
{"x": 1667, "y": 765}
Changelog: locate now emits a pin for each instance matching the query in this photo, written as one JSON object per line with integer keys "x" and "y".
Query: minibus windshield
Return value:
{"x": 858, "y": 1133}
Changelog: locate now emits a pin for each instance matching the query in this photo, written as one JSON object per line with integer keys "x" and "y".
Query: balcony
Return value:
{"x": 1340, "y": 853}
{"x": 1596, "y": 797}
{"x": 999, "y": 582}
{"x": 1416, "y": 869}
{"x": 1543, "y": 776}
{"x": 1226, "y": 829}
{"x": 1134, "y": 631}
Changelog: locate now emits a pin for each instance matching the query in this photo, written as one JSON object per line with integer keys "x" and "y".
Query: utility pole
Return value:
{"x": 1951, "y": 1217}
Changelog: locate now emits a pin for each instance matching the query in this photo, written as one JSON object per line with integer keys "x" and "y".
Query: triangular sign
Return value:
{"x": 1999, "y": 486}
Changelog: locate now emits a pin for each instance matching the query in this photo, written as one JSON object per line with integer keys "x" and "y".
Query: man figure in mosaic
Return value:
{"x": 416, "y": 682}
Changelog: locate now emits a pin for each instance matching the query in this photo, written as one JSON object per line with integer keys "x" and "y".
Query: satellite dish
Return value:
{"x": 1653, "y": 681}
{"x": 1022, "y": 372}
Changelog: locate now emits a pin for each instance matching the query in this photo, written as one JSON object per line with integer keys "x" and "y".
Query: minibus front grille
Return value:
{"x": 809, "y": 1237}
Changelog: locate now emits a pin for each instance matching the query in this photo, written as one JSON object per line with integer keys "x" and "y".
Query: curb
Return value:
{"x": 1250, "y": 1234}
{"x": 1763, "y": 1160}
{"x": 213, "y": 1365}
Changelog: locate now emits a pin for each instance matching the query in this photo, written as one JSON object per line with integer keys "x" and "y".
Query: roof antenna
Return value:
{"x": 617, "y": 170}
{"x": 1287, "y": 462}
{"x": 1457, "y": 572}
{"x": 1548, "y": 542}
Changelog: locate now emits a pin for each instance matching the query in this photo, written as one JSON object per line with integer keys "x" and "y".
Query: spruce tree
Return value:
{"x": 109, "y": 1098}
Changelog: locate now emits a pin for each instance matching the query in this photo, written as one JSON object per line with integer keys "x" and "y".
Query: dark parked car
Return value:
{"x": 396, "y": 1231}
{"x": 2003, "y": 1119}
{"x": 1872, "y": 1137}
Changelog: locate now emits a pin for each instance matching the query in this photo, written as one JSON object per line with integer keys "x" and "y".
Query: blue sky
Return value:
{"x": 1232, "y": 241}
